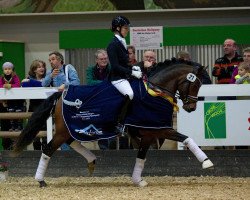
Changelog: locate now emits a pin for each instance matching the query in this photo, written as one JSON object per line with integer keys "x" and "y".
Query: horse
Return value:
{"x": 169, "y": 82}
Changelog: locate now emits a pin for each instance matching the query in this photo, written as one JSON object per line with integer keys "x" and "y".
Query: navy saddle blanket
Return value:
{"x": 90, "y": 112}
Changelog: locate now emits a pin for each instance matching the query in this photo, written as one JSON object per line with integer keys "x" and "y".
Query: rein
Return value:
{"x": 154, "y": 91}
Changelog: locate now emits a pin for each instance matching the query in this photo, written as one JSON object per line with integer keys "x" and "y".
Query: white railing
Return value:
{"x": 30, "y": 93}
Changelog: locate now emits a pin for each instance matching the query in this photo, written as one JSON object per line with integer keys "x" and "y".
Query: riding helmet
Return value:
{"x": 119, "y": 21}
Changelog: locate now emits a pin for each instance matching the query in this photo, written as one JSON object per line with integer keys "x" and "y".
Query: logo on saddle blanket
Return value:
{"x": 90, "y": 130}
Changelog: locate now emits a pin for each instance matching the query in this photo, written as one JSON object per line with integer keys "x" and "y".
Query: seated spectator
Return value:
{"x": 148, "y": 62}
{"x": 36, "y": 74}
{"x": 99, "y": 71}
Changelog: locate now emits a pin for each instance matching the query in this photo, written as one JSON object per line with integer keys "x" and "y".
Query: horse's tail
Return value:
{"x": 35, "y": 123}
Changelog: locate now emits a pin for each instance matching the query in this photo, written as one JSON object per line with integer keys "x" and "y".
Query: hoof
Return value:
{"x": 141, "y": 183}
{"x": 207, "y": 164}
{"x": 91, "y": 167}
{"x": 42, "y": 184}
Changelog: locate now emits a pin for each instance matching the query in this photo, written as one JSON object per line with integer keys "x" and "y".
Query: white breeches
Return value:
{"x": 123, "y": 86}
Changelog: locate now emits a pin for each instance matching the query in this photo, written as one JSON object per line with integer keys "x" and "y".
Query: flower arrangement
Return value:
{"x": 3, "y": 167}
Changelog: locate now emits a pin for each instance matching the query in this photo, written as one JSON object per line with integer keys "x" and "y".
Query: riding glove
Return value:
{"x": 136, "y": 68}
{"x": 137, "y": 74}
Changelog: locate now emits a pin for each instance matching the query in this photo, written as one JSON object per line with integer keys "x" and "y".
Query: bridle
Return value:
{"x": 191, "y": 78}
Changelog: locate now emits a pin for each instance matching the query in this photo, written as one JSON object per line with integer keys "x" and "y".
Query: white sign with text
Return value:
{"x": 146, "y": 37}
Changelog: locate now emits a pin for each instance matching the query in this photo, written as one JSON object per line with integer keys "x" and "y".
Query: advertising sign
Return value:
{"x": 146, "y": 37}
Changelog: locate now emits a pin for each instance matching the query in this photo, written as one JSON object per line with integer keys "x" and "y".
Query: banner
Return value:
{"x": 217, "y": 123}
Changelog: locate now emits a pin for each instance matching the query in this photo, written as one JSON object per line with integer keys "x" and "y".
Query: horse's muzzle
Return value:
{"x": 189, "y": 107}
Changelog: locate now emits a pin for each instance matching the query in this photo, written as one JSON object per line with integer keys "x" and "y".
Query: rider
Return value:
{"x": 120, "y": 68}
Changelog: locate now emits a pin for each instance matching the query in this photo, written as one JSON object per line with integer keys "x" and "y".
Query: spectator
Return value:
{"x": 243, "y": 76}
{"x": 97, "y": 73}
{"x": 224, "y": 66}
{"x": 246, "y": 57}
{"x": 148, "y": 62}
{"x": 185, "y": 55}
{"x": 131, "y": 55}
{"x": 10, "y": 80}
{"x": 36, "y": 74}
{"x": 120, "y": 68}
{"x": 60, "y": 76}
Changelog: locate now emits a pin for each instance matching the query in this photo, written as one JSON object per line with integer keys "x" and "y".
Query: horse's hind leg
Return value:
{"x": 48, "y": 151}
{"x": 171, "y": 134}
{"x": 140, "y": 161}
{"x": 60, "y": 137}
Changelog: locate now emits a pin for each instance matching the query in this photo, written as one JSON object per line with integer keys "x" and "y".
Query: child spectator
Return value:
{"x": 243, "y": 76}
{"x": 9, "y": 80}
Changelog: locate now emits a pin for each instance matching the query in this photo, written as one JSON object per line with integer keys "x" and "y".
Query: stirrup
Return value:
{"x": 119, "y": 129}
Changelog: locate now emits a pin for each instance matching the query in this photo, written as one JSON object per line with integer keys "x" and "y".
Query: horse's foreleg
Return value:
{"x": 140, "y": 161}
{"x": 172, "y": 134}
{"x": 90, "y": 157}
{"x": 199, "y": 154}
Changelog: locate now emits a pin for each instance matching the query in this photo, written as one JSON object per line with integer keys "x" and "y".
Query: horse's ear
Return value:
{"x": 167, "y": 62}
{"x": 173, "y": 60}
{"x": 200, "y": 69}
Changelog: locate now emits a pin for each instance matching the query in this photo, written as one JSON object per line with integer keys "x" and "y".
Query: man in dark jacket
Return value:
{"x": 100, "y": 71}
{"x": 148, "y": 63}
{"x": 224, "y": 66}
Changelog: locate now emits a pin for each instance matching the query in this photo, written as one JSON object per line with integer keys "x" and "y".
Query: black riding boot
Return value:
{"x": 121, "y": 118}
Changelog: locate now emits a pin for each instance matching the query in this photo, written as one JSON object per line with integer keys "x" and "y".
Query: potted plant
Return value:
{"x": 3, "y": 171}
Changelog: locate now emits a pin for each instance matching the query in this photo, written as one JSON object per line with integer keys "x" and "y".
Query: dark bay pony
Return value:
{"x": 169, "y": 81}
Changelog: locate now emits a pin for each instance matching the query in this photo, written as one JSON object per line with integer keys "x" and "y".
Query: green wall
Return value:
{"x": 13, "y": 52}
{"x": 205, "y": 35}
{"x": 172, "y": 36}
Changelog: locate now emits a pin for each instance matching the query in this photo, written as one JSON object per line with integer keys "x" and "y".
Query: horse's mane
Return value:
{"x": 168, "y": 64}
